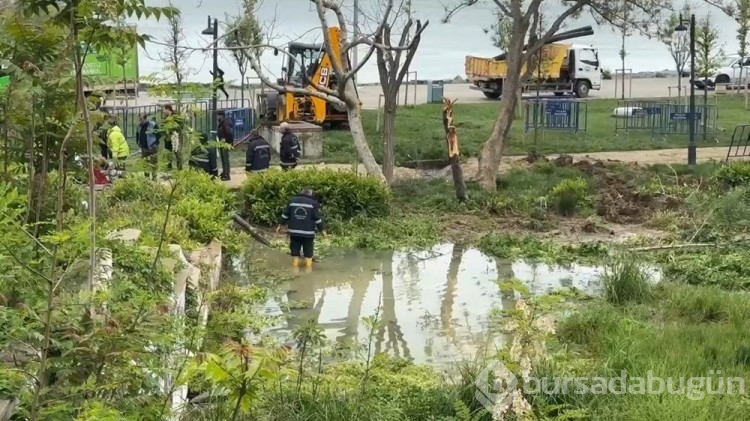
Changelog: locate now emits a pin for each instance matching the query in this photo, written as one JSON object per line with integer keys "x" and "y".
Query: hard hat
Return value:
{"x": 284, "y": 126}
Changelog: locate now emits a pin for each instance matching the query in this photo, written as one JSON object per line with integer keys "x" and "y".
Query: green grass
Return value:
{"x": 420, "y": 136}
{"x": 684, "y": 331}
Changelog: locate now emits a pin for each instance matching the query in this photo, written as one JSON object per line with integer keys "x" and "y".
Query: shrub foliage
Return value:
{"x": 343, "y": 194}
{"x": 734, "y": 174}
{"x": 199, "y": 208}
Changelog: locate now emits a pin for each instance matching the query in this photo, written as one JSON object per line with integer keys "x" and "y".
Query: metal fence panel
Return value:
{"x": 199, "y": 115}
{"x": 244, "y": 121}
{"x": 565, "y": 115}
{"x": 676, "y": 120}
{"x": 640, "y": 115}
{"x": 739, "y": 147}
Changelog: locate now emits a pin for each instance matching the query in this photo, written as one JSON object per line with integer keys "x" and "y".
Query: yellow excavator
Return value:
{"x": 308, "y": 65}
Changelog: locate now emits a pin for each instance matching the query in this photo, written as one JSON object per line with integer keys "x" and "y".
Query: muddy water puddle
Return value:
{"x": 432, "y": 304}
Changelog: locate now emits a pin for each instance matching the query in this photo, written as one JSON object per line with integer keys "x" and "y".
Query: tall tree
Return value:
{"x": 708, "y": 56}
{"x": 677, "y": 42}
{"x": 521, "y": 15}
{"x": 243, "y": 30}
{"x": 344, "y": 95}
{"x": 392, "y": 71}
{"x": 739, "y": 10}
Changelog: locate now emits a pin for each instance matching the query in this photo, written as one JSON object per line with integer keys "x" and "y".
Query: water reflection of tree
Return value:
{"x": 389, "y": 330}
{"x": 407, "y": 268}
{"x": 449, "y": 297}
{"x": 354, "y": 312}
{"x": 505, "y": 271}
{"x": 304, "y": 292}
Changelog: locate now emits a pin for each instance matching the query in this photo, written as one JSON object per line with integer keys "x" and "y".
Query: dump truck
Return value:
{"x": 307, "y": 66}
{"x": 559, "y": 68}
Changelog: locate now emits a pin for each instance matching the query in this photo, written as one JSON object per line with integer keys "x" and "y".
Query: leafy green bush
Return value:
{"x": 734, "y": 174}
{"x": 196, "y": 208}
{"x": 343, "y": 194}
{"x": 568, "y": 195}
{"x": 199, "y": 186}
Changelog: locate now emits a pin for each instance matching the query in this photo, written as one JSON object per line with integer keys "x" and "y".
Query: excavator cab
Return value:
{"x": 302, "y": 63}
{"x": 306, "y": 66}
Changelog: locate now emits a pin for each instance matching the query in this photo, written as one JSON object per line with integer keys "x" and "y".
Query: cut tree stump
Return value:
{"x": 451, "y": 139}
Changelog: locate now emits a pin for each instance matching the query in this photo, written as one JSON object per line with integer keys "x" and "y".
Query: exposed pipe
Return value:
{"x": 562, "y": 36}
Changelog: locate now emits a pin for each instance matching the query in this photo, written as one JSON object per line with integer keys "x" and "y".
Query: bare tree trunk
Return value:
{"x": 242, "y": 88}
{"x": 451, "y": 139}
{"x": 492, "y": 151}
{"x": 358, "y": 132}
{"x": 389, "y": 141}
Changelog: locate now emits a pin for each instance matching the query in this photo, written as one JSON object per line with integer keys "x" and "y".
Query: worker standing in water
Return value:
{"x": 302, "y": 217}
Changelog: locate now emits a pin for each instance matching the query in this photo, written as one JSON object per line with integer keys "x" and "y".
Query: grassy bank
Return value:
{"x": 684, "y": 334}
{"x": 420, "y": 136}
{"x": 570, "y": 202}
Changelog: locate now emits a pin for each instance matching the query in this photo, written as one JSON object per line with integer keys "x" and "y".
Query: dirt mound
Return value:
{"x": 618, "y": 199}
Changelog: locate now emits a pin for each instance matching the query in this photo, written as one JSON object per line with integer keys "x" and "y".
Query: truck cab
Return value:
{"x": 582, "y": 69}
{"x": 559, "y": 68}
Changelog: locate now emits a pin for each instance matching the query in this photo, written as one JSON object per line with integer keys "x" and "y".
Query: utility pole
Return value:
{"x": 213, "y": 30}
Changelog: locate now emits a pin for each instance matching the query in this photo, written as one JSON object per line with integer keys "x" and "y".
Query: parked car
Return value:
{"x": 729, "y": 72}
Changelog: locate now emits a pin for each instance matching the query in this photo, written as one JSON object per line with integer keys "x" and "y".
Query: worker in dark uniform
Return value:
{"x": 258, "y": 154}
{"x": 289, "y": 150}
{"x": 219, "y": 81}
{"x": 203, "y": 157}
{"x": 302, "y": 217}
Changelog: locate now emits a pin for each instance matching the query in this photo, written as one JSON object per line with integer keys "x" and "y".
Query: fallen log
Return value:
{"x": 451, "y": 138}
{"x": 254, "y": 232}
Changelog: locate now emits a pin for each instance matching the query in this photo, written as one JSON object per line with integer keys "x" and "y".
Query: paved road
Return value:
{"x": 640, "y": 88}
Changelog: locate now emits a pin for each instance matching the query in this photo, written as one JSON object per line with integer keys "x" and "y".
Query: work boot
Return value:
{"x": 308, "y": 262}
{"x": 295, "y": 262}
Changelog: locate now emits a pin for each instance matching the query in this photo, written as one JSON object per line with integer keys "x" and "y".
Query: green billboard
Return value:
{"x": 107, "y": 65}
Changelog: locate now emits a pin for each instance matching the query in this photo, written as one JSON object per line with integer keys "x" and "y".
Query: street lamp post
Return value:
{"x": 692, "y": 148}
{"x": 213, "y": 30}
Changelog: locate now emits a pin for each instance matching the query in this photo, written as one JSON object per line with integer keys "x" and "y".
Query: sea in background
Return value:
{"x": 441, "y": 53}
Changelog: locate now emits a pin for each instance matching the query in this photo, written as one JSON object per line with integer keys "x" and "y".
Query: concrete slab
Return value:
{"x": 310, "y": 138}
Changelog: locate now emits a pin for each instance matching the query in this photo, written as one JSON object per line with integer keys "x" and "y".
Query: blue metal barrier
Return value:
{"x": 564, "y": 115}
{"x": 199, "y": 115}
{"x": 740, "y": 144}
{"x": 244, "y": 121}
{"x": 675, "y": 120}
{"x": 641, "y": 115}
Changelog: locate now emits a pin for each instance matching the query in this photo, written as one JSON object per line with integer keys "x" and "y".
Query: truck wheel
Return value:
{"x": 492, "y": 95}
{"x": 722, "y": 79}
{"x": 582, "y": 89}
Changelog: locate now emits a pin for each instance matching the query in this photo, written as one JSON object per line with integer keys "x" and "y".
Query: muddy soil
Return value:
{"x": 618, "y": 197}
